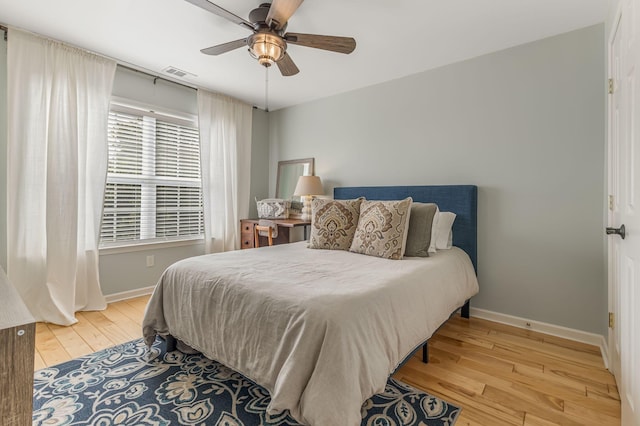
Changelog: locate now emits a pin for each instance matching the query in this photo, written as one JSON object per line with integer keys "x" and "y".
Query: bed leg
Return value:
{"x": 465, "y": 310}
{"x": 170, "y": 342}
{"x": 425, "y": 353}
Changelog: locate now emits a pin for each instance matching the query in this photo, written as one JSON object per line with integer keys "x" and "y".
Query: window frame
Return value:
{"x": 149, "y": 181}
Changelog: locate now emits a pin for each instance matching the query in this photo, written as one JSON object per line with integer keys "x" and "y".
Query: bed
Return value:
{"x": 321, "y": 330}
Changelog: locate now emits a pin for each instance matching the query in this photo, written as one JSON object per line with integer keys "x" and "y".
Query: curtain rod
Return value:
{"x": 123, "y": 65}
{"x": 128, "y": 67}
{"x": 155, "y": 77}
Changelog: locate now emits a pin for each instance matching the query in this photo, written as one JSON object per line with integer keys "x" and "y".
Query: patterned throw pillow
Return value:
{"x": 382, "y": 228}
{"x": 333, "y": 223}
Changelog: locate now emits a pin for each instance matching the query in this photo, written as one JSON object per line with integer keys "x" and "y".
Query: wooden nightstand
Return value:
{"x": 284, "y": 231}
{"x": 17, "y": 334}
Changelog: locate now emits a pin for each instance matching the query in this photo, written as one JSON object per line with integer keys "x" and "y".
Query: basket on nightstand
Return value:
{"x": 273, "y": 208}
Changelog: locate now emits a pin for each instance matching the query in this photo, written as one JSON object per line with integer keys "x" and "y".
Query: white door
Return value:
{"x": 624, "y": 209}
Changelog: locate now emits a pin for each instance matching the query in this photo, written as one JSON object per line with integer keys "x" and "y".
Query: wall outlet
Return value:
{"x": 151, "y": 260}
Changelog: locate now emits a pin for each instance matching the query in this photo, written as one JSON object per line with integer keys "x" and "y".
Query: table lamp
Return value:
{"x": 307, "y": 187}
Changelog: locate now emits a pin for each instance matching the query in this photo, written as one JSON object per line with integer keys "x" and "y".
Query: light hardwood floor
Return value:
{"x": 499, "y": 375}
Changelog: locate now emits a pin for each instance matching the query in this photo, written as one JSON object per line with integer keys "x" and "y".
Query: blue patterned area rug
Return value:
{"x": 132, "y": 385}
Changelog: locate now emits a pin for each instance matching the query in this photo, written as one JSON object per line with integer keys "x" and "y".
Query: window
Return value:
{"x": 153, "y": 190}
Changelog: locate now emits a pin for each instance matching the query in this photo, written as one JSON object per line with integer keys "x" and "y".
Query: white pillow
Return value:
{"x": 434, "y": 232}
{"x": 444, "y": 234}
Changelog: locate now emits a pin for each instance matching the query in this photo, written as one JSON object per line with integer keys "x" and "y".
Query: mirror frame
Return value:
{"x": 283, "y": 164}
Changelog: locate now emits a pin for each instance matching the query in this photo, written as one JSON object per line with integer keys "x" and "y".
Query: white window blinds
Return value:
{"x": 153, "y": 190}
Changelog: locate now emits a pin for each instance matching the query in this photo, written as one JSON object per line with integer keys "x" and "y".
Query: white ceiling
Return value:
{"x": 394, "y": 38}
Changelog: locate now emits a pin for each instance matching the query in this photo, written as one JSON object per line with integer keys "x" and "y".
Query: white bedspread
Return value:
{"x": 320, "y": 329}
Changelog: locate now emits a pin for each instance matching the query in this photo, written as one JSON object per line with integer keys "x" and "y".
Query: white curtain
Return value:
{"x": 225, "y": 152}
{"x": 58, "y": 102}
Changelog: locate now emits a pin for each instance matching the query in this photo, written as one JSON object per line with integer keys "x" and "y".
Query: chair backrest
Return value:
{"x": 256, "y": 231}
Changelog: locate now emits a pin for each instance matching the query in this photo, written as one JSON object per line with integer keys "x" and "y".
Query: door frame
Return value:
{"x": 610, "y": 363}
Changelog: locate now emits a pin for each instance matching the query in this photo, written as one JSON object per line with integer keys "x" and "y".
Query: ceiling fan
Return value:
{"x": 268, "y": 43}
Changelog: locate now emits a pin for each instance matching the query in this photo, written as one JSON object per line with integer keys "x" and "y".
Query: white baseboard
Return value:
{"x": 543, "y": 327}
{"x": 604, "y": 350}
{"x": 129, "y": 294}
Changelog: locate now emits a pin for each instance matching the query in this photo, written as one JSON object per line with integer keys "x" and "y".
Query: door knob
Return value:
{"x": 620, "y": 231}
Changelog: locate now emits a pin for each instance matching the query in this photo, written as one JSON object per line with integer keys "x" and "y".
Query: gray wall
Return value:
{"x": 526, "y": 125}
{"x": 259, "y": 159}
{"x": 125, "y": 271}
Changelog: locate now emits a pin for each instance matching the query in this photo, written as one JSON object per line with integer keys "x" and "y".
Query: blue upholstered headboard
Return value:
{"x": 459, "y": 199}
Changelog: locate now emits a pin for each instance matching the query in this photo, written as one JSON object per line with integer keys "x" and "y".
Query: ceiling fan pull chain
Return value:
{"x": 266, "y": 89}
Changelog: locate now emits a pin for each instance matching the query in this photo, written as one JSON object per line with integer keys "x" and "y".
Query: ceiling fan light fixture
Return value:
{"x": 268, "y": 43}
{"x": 267, "y": 48}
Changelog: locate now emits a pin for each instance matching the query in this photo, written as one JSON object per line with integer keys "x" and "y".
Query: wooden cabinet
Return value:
{"x": 17, "y": 349}
{"x": 246, "y": 236}
{"x": 285, "y": 227}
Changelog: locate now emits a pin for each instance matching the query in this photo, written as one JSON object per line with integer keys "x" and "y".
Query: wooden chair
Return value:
{"x": 256, "y": 231}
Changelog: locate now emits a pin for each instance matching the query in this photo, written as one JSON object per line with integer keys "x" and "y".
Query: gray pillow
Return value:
{"x": 419, "y": 236}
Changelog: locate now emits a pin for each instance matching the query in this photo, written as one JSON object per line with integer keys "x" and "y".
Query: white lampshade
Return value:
{"x": 308, "y": 185}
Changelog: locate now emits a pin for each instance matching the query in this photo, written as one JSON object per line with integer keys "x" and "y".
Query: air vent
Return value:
{"x": 176, "y": 72}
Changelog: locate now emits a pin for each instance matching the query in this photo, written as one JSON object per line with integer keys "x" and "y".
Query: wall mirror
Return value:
{"x": 288, "y": 173}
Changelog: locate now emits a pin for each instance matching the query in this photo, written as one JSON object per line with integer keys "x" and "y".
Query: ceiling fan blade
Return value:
{"x": 287, "y": 66}
{"x": 280, "y": 12}
{"x": 224, "y": 47}
{"x": 332, "y": 43}
{"x": 215, "y": 9}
